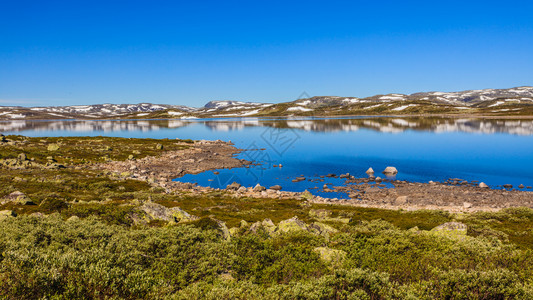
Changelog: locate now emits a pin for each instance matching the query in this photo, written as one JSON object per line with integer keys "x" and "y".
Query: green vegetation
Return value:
{"x": 48, "y": 257}
{"x": 80, "y": 240}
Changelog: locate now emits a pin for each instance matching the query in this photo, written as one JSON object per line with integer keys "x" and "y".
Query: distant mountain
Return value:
{"x": 513, "y": 101}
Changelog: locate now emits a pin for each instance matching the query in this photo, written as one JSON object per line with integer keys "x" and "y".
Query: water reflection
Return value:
{"x": 381, "y": 124}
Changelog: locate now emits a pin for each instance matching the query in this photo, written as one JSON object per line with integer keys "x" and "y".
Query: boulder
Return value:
{"x": 17, "y": 198}
{"x": 291, "y": 225}
{"x": 242, "y": 189}
{"x": 322, "y": 229}
{"x": 483, "y": 185}
{"x": 224, "y": 230}
{"x": 298, "y": 179}
{"x": 451, "y": 228}
{"x": 4, "y": 214}
{"x": 390, "y": 171}
{"x": 276, "y": 187}
{"x": 234, "y": 186}
{"x": 306, "y": 195}
{"x": 156, "y": 211}
{"x": 370, "y": 171}
{"x": 343, "y": 176}
{"x": 159, "y": 147}
{"x": 508, "y": 186}
{"x": 53, "y": 147}
{"x": 259, "y": 188}
{"x": 521, "y": 186}
{"x": 467, "y": 204}
{"x": 329, "y": 255}
{"x": 22, "y": 157}
{"x": 267, "y": 225}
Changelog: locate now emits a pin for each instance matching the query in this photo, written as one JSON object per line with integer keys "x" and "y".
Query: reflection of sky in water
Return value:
{"x": 496, "y": 152}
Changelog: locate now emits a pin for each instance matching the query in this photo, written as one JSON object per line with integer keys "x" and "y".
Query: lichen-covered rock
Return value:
{"x": 292, "y": 225}
{"x": 319, "y": 213}
{"x": 224, "y": 230}
{"x": 306, "y": 195}
{"x": 53, "y": 147}
{"x": 267, "y": 225}
{"x": 451, "y": 228}
{"x": 4, "y": 214}
{"x": 17, "y": 197}
{"x": 22, "y": 157}
{"x": 180, "y": 215}
{"x": 233, "y": 231}
{"x": 159, "y": 147}
{"x": 156, "y": 211}
{"x": 322, "y": 229}
{"x": 329, "y": 255}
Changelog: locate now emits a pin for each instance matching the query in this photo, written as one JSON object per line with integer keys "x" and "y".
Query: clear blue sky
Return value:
{"x": 191, "y": 52}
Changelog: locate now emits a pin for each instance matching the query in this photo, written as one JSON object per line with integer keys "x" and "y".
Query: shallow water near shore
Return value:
{"x": 496, "y": 152}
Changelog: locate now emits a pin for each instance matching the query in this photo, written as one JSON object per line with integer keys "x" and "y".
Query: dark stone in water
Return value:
{"x": 508, "y": 186}
{"x": 276, "y": 187}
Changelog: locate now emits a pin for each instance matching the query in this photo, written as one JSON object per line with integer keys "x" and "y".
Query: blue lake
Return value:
{"x": 496, "y": 152}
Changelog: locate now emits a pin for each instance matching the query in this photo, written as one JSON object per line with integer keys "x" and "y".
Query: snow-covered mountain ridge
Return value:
{"x": 517, "y": 100}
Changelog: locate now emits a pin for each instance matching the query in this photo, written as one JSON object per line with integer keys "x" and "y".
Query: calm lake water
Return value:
{"x": 496, "y": 152}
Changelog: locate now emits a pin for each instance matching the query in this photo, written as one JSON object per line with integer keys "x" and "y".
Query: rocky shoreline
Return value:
{"x": 455, "y": 195}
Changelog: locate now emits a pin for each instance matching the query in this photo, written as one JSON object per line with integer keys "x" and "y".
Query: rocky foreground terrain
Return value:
{"x": 100, "y": 217}
{"x": 488, "y": 102}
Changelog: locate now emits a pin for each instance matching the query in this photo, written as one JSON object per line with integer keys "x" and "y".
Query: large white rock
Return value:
{"x": 390, "y": 171}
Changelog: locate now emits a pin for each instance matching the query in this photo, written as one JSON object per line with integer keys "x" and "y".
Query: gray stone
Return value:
{"x": 259, "y": 188}
{"x": 276, "y": 188}
{"x": 234, "y": 186}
